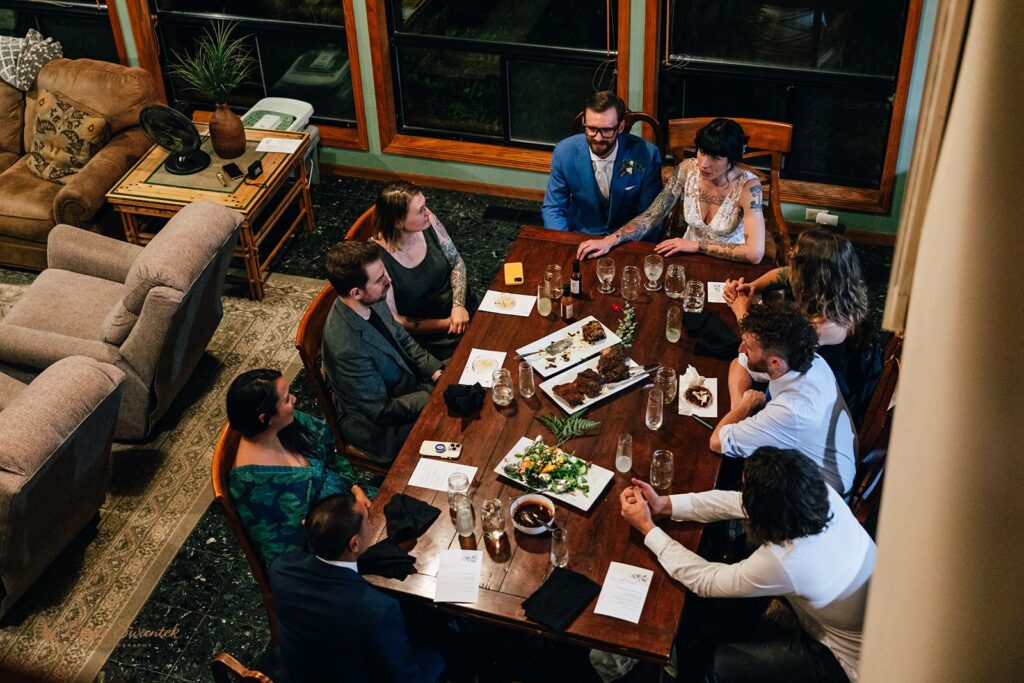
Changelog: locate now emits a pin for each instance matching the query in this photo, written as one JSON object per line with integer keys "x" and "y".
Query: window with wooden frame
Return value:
{"x": 304, "y": 50}
{"x": 497, "y": 82}
{"x": 84, "y": 28}
{"x": 838, "y": 70}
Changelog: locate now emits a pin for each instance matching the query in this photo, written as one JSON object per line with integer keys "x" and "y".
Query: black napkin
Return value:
{"x": 716, "y": 338}
{"x": 560, "y": 600}
{"x": 464, "y": 399}
{"x": 386, "y": 559}
{"x": 408, "y": 517}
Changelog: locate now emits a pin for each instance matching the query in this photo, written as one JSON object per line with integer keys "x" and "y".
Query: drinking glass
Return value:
{"x": 501, "y": 387}
{"x": 544, "y": 298}
{"x": 559, "y": 547}
{"x": 553, "y": 276}
{"x": 464, "y": 516}
{"x": 665, "y": 379}
{"x": 624, "y": 454}
{"x": 673, "y": 322}
{"x": 458, "y": 489}
{"x": 662, "y": 469}
{"x": 605, "y": 274}
{"x": 653, "y": 265}
{"x": 493, "y": 518}
{"x": 693, "y": 299}
{"x": 655, "y": 409}
{"x": 630, "y": 283}
{"x": 675, "y": 281}
{"x": 527, "y": 388}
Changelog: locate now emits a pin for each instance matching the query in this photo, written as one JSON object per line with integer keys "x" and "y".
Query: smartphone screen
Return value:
{"x": 232, "y": 171}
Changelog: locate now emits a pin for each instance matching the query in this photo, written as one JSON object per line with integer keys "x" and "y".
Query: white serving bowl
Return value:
{"x": 530, "y": 498}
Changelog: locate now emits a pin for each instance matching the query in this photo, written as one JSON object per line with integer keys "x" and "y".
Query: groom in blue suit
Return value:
{"x": 601, "y": 178}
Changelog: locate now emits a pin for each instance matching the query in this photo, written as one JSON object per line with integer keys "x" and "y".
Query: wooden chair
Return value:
{"x": 363, "y": 228}
{"x": 223, "y": 460}
{"x": 307, "y": 341}
{"x": 770, "y": 139}
{"x": 227, "y": 669}
{"x": 632, "y": 117}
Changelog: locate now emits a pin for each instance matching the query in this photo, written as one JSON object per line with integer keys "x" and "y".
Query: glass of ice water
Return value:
{"x": 624, "y": 454}
{"x": 653, "y": 265}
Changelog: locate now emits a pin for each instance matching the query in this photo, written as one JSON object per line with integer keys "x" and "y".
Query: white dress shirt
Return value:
{"x": 824, "y": 577}
{"x": 603, "y": 169}
{"x": 805, "y": 412}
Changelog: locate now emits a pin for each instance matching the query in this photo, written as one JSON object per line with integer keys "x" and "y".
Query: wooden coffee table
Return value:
{"x": 272, "y": 206}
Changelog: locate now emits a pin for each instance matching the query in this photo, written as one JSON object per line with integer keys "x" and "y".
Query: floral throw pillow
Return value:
{"x": 66, "y": 138}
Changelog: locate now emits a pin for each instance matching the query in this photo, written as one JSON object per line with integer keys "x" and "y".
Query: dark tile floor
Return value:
{"x": 206, "y": 601}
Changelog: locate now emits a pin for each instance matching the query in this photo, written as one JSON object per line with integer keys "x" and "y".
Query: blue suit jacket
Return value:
{"x": 572, "y": 200}
{"x": 334, "y": 626}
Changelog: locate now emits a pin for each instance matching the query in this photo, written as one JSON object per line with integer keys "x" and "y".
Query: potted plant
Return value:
{"x": 219, "y": 64}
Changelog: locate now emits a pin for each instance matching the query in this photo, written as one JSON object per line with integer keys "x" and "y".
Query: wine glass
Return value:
{"x": 655, "y": 409}
{"x": 653, "y": 265}
{"x": 605, "y": 274}
{"x": 630, "y": 283}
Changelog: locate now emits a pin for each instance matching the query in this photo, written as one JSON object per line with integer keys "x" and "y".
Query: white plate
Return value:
{"x": 548, "y": 386}
{"x": 597, "y": 476}
{"x": 580, "y": 350}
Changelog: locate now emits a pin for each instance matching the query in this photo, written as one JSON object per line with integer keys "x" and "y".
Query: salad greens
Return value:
{"x": 549, "y": 468}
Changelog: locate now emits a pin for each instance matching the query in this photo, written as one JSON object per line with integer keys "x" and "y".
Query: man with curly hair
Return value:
{"x": 803, "y": 408}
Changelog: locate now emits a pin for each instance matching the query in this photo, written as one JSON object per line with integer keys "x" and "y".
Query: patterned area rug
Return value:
{"x": 66, "y": 626}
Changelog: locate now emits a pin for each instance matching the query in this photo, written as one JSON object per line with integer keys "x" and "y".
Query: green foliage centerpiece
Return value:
{"x": 568, "y": 426}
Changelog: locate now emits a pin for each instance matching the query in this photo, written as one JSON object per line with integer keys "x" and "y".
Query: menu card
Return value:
{"x": 433, "y": 474}
{"x": 624, "y": 592}
{"x": 479, "y": 366}
{"x": 458, "y": 576}
{"x": 715, "y": 293}
{"x": 286, "y": 145}
{"x": 507, "y": 304}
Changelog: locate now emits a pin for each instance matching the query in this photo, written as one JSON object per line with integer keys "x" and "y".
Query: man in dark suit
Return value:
{"x": 380, "y": 376}
{"x": 601, "y": 178}
{"x": 332, "y": 624}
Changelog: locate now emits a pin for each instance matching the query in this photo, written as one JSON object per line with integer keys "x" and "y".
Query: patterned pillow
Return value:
{"x": 65, "y": 139}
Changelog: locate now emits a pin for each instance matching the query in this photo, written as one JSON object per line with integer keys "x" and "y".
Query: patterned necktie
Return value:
{"x": 601, "y": 177}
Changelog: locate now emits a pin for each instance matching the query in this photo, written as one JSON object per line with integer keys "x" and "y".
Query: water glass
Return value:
{"x": 559, "y": 547}
{"x": 675, "y": 281}
{"x": 624, "y": 454}
{"x": 553, "y": 276}
{"x": 527, "y": 388}
{"x": 630, "y": 283}
{"x": 665, "y": 379}
{"x": 501, "y": 387}
{"x": 693, "y": 299}
{"x": 655, "y": 409}
{"x": 464, "y": 516}
{"x": 653, "y": 265}
{"x": 673, "y": 322}
{"x": 458, "y": 489}
{"x": 605, "y": 274}
{"x": 662, "y": 469}
{"x": 544, "y": 298}
{"x": 493, "y": 518}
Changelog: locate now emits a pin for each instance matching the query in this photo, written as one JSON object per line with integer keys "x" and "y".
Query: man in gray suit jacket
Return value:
{"x": 380, "y": 377}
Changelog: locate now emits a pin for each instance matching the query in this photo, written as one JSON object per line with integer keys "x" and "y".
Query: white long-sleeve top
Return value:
{"x": 824, "y": 577}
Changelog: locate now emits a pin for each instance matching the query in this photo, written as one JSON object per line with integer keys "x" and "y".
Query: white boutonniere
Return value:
{"x": 629, "y": 167}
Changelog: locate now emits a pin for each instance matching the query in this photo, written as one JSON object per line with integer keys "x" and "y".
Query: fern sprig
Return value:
{"x": 568, "y": 426}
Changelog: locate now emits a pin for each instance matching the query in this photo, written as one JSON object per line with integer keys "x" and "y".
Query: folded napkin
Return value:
{"x": 388, "y": 560}
{"x": 464, "y": 399}
{"x": 408, "y": 517}
{"x": 560, "y": 600}
{"x": 716, "y": 338}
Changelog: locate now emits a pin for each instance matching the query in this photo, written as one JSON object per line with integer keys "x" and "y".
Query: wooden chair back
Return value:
{"x": 308, "y": 340}
{"x": 223, "y": 460}
{"x": 765, "y": 140}
{"x": 363, "y": 228}
{"x": 631, "y": 118}
{"x": 227, "y": 669}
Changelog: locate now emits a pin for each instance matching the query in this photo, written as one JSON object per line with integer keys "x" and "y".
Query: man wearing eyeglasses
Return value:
{"x": 601, "y": 178}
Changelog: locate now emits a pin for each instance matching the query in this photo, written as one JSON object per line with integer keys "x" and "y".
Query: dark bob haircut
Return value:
{"x": 331, "y": 523}
{"x": 784, "y": 496}
{"x": 251, "y": 402}
{"x": 722, "y": 138}
{"x": 783, "y": 331}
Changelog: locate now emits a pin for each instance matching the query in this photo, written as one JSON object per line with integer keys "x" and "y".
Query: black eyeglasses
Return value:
{"x": 593, "y": 131}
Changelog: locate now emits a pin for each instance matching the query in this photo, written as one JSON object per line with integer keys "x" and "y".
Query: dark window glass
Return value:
{"x": 445, "y": 90}
{"x": 327, "y": 12}
{"x": 545, "y": 99}
{"x": 81, "y": 28}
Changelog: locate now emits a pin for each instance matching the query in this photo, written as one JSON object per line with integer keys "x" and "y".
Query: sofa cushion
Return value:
{"x": 9, "y": 389}
{"x": 26, "y": 203}
{"x": 66, "y": 137}
{"x": 12, "y": 108}
{"x": 66, "y": 303}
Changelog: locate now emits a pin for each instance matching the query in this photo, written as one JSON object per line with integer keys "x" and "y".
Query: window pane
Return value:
{"x": 545, "y": 99}
{"x": 327, "y": 12}
{"x": 577, "y": 24}
{"x": 848, "y": 36}
{"x": 82, "y": 32}
{"x": 446, "y": 90}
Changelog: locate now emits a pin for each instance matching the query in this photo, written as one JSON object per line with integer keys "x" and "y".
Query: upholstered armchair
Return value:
{"x": 55, "y": 436}
{"x": 29, "y": 205}
{"x": 149, "y": 311}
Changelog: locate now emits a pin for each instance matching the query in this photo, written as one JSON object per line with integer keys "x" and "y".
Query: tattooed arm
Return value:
{"x": 459, "y": 316}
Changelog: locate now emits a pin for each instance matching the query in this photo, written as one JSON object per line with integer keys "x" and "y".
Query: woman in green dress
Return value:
{"x": 286, "y": 461}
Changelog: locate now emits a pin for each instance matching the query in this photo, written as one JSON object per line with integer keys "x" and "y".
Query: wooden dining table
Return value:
{"x": 515, "y": 567}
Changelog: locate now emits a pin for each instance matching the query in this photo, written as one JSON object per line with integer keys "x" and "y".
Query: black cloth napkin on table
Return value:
{"x": 408, "y": 517}
{"x": 388, "y": 560}
{"x": 558, "y": 602}
{"x": 464, "y": 399}
{"x": 716, "y": 338}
